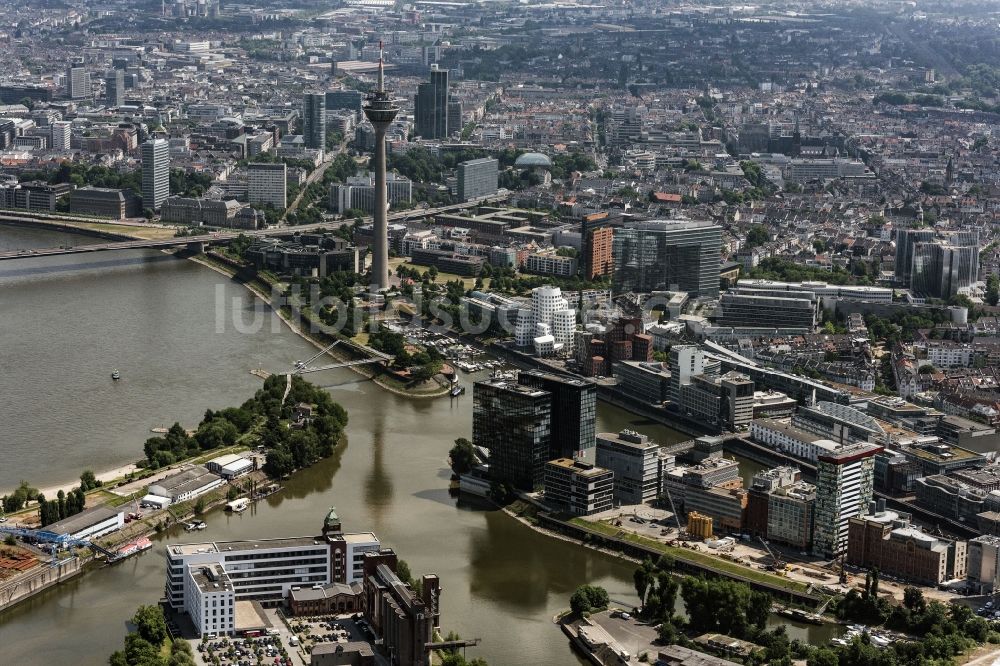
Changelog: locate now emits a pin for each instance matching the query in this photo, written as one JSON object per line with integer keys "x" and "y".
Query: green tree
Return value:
{"x": 88, "y": 481}
{"x": 216, "y": 433}
{"x": 199, "y": 506}
{"x": 757, "y": 235}
{"x": 993, "y": 289}
{"x": 588, "y": 598}
{"x": 462, "y": 456}
{"x": 150, "y": 624}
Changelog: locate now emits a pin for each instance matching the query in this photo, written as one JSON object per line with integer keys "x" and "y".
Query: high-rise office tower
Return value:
{"x": 155, "y": 173}
{"x": 267, "y": 183}
{"x": 573, "y": 410}
{"x": 845, "y": 480}
{"x": 380, "y": 110}
{"x": 943, "y": 266}
{"x": 60, "y": 135}
{"x": 114, "y": 88}
{"x": 431, "y": 106}
{"x": 455, "y": 125}
{"x": 513, "y": 423}
{"x": 478, "y": 178}
{"x": 314, "y": 120}
{"x": 77, "y": 82}
{"x": 905, "y": 240}
{"x": 675, "y": 255}
{"x": 344, "y": 99}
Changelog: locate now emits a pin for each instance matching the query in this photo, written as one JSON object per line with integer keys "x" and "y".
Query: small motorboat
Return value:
{"x": 115, "y": 375}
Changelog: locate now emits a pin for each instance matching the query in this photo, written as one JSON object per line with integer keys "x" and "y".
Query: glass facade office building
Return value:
{"x": 573, "y": 409}
{"x": 675, "y": 255}
{"x": 514, "y": 423}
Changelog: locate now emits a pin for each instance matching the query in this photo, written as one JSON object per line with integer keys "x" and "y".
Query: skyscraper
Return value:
{"x": 573, "y": 408}
{"x": 431, "y": 106}
{"x": 314, "y": 120}
{"x": 513, "y": 423}
{"x": 61, "y": 134}
{"x": 380, "y": 110}
{"x": 155, "y": 173}
{"x": 267, "y": 183}
{"x": 844, "y": 485}
{"x": 675, "y": 255}
{"x": 905, "y": 240}
{"x": 77, "y": 82}
{"x": 114, "y": 88}
{"x": 942, "y": 266}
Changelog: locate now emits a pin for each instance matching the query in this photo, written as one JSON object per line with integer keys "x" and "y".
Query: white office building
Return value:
{"x": 267, "y": 184}
{"x": 260, "y": 570}
{"x": 783, "y": 436}
{"x": 359, "y": 192}
{"x": 686, "y": 361}
{"x": 210, "y": 599}
{"x": 549, "y": 325}
{"x": 155, "y": 173}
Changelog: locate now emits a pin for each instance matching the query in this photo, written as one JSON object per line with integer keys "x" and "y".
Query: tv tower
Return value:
{"x": 380, "y": 110}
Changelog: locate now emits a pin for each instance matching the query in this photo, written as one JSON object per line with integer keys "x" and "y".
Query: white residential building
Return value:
{"x": 550, "y": 264}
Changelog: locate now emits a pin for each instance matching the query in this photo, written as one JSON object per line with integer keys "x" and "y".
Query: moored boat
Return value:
{"x": 131, "y": 548}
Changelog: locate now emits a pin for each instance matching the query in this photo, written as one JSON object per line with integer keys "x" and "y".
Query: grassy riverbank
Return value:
{"x": 723, "y": 566}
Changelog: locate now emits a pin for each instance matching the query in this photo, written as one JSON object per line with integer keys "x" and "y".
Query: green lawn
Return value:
{"x": 692, "y": 556}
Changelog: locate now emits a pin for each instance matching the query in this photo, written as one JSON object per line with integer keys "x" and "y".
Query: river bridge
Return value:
{"x": 199, "y": 242}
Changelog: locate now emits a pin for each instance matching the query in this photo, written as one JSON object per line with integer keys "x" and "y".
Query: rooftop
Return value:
{"x": 83, "y": 520}
{"x": 580, "y": 468}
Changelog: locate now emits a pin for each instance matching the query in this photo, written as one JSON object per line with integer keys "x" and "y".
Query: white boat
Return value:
{"x": 131, "y": 548}
{"x": 238, "y": 505}
{"x": 200, "y": 525}
{"x": 115, "y": 375}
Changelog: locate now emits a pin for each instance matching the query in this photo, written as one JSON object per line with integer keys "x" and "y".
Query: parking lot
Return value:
{"x": 259, "y": 651}
{"x": 633, "y": 635}
{"x": 330, "y": 629}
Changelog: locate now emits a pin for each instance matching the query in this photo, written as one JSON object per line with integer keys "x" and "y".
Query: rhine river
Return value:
{"x": 67, "y": 322}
